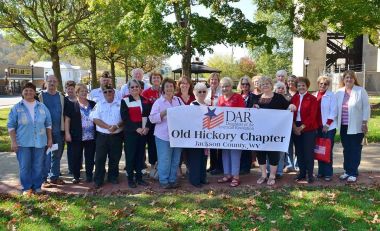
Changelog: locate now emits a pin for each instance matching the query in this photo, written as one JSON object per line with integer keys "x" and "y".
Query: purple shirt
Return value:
{"x": 161, "y": 129}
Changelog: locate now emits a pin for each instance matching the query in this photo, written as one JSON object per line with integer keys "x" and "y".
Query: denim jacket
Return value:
{"x": 29, "y": 134}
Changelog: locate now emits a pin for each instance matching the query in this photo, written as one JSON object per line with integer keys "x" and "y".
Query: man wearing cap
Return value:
{"x": 96, "y": 94}
{"x": 106, "y": 116}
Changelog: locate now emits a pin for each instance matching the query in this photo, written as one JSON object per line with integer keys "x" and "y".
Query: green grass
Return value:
{"x": 340, "y": 208}
{"x": 5, "y": 144}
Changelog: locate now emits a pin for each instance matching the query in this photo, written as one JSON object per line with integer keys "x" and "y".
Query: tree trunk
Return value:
{"x": 112, "y": 63}
{"x": 94, "y": 81}
{"x": 186, "y": 58}
{"x": 126, "y": 69}
{"x": 54, "y": 55}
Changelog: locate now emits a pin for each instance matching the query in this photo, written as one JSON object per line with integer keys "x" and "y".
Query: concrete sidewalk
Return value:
{"x": 369, "y": 174}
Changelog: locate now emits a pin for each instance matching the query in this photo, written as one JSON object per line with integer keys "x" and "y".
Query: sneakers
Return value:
{"x": 344, "y": 176}
{"x": 351, "y": 179}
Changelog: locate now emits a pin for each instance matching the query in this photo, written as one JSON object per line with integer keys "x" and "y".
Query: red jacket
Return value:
{"x": 309, "y": 111}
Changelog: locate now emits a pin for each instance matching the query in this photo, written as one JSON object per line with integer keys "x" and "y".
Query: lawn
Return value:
{"x": 340, "y": 208}
{"x": 5, "y": 144}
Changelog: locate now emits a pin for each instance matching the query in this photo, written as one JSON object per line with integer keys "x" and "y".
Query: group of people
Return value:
{"x": 101, "y": 123}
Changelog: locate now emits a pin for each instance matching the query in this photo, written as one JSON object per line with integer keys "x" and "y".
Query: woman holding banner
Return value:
{"x": 168, "y": 158}
{"x": 197, "y": 158}
{"x": 269, "y": 100}
{"x": 305, "y": 127}
{"x": 231, "y": 158}
{"x": 326, "y": 122}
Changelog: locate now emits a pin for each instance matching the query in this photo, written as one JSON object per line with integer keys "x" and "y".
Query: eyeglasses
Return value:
{"x": 133, "y": 87}
{"x": 225, "y": 86}
{"x": 184, "y": 83}
{"x": 107, "y": 91}
{"x": 201, "y": 92}
{"x": 324, "y": 84}
{"x": 245, "y": 84}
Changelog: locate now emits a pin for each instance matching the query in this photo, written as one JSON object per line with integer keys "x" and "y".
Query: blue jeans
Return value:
{"x": 231, "y": 161}
{"x": 352, "y": 151}
{"x": 53, "y": 160}
{"x": 30, "y": 162}
{"x": 326, "y": 169}
{"x": 168, "y": 161}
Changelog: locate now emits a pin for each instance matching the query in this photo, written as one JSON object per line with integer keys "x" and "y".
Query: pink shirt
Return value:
{"x": 161, "y": 129}
{"x": 345, "y": 109}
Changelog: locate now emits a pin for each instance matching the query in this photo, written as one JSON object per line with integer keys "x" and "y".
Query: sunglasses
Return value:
{"x": 201, "y": 92}
{"x": 134, "y": 87}
{"x": 245, "y": 84}
{"x": 107, "y": 91}
{"x": 324, "y": 84}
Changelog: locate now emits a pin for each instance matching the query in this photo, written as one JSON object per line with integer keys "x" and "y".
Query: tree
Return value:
{"x": 191, "y": 33}
{"x": 280, "y": 57}
{"x": 307, "y": 18}
{"x": 47, "y": 24}
{"x": 233, "y": 68}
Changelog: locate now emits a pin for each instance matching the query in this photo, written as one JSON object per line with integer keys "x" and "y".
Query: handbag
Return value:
{"x": 153, "y": 174}
{"x": 322, "y": 149}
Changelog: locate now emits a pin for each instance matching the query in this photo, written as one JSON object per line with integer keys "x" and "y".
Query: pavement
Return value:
{"x": 9, "y": 101}
{"x": 369, "y": 175}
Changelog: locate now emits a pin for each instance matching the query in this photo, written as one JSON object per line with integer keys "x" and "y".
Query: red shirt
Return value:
{"x": 151, "y": 95}
{"x": 236, "y": 100}
{"x": 191, "y": 99}
{"x": 309, "y": 110}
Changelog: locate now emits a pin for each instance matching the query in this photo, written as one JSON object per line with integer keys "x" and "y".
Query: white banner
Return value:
{"x": 229, "y": 128}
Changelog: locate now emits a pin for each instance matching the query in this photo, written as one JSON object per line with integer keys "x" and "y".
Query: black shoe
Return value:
{"x": 205, "y": 182}
{"x": 278, "y": 176}
{"x": 142, "y": 182}
{"x": 97, "y": 185}
{"x": 89, "y": 179}
{"x": 320, "y": 176}
{"x": 328, "y": 178}
{"x": 299, "y": 178}
{"x": 310, "y": 180}
{"x": 115, "y": 181}
{"x": 75, "y": 181}
{"x": 174, "y": 185}
{"x": 165, "y": 186}
{"x": 245, "y": 172}
{"x": 216, "y": 172}
{"x": 197, "y": 185}
{"x": 209, "y": 169}
{"x": 132, "y": 184}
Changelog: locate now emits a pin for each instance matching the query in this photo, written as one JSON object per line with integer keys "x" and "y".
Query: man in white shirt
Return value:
{"x": 106, "y": 116}
{"x": 137, "y": 74}
{"x": 97, "y": 93}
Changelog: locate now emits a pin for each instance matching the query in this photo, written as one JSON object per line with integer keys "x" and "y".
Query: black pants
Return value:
{"x": 152, "y": 150}
{"x": 273, "y": 157}
{"x": 196, "y": 162}
{"x": 134, "y": 150}
{"x": 246, "y": 160}
{"x": 77, "y": 156}
{"x": 304, "y": 145}
{"x": 216, "y": 162}
{"x": 111, "y": 146}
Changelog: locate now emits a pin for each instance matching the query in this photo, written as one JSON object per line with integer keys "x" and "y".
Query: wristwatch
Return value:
{"x": 303, "y": 126}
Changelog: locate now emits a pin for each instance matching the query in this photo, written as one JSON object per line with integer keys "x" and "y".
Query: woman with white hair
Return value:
{"x": 281, "y": 76}
{"x": 197, "y": 158}
{"x": 230, "y": 157}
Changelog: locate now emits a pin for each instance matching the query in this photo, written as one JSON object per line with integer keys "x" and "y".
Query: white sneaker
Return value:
{"x": 126, "y": 174}
{"x": 351, "y": 179}
{"x": 144, "y": 171}
{"x": 344, "y": 176}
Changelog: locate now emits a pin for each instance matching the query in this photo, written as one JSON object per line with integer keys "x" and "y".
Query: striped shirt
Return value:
{"x": 345, "y": 109}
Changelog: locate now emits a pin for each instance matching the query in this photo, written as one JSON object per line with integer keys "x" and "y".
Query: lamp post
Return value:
{"x": 306, "y": 62}
{"x": 32, "y": 65}
{"x": 89, "y": 78}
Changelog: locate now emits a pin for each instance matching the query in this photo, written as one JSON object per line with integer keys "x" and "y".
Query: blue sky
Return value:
{"x": 248, "y": 9}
